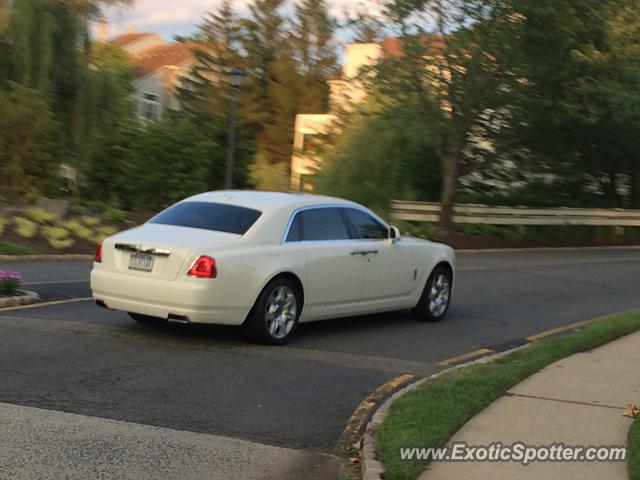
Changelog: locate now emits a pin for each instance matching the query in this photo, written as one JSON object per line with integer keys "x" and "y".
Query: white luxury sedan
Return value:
{"x": 267, "y": 261}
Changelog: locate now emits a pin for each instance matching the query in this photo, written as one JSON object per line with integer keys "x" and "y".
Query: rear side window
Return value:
{"x": 318, "y": 224}
{"x": 365, "y": 225}
{"x": 209, "y": 216}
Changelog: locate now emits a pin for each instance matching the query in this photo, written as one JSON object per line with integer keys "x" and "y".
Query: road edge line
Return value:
{"x": 45, "y": 304}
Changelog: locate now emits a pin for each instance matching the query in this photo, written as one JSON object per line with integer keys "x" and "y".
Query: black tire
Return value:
{"x": 146, "y": 319}
{"x": 427, "y": 311}
{"x": 258, "y": 327}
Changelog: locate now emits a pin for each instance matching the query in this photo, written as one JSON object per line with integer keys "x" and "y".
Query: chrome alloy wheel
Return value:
{"x": 439, "y": 295}
{"x": 281, "y": 311}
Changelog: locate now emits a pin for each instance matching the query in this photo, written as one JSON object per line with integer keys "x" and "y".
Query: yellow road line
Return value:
{"x": 53, "y": 282}
{"x": 359, "y": 417}
{"x": 466, "y": 356}
{"x": 45, "y": 304}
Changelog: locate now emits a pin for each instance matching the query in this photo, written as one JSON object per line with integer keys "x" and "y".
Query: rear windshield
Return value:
{"x": 209, "y": 216}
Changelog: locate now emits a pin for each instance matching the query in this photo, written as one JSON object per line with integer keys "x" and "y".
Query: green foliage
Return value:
{"x": 378, "y": 157}
{"x": 40, "y": 215}
{"x": 115, "y": 215}
{"x": 55, "y": 233}
{"x": 61, "y": 243}
{"x": 9, "y": 248}
{"x": 8, "y": 287}
{"x": 25, "y": 129}
{"x": 104, "y": 232}
{"x": 58, "y": 237}
{"x": 172, "y": 162}
{"x": 79, "y": 230}
{"x": 25, "y": 228}
{"x": 3, "y": 223}
{"x": 90, "y": 221}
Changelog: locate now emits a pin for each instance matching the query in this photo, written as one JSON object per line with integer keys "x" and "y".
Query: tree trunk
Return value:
{"x": 450, "y": 171}
{"x": 635, "y": 185}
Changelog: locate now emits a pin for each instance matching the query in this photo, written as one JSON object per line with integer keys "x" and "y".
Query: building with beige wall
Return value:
{"x": 346, "y": 91}
{"x": 158, "y": 67}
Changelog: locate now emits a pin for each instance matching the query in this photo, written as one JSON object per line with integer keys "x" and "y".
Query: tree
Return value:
{"x": 168, "y": 165}
{"x": 380, "y": 155}
{"x": 25, "y": 135}
{"x": 460, "y": 73}
{"x": 578, "y": 110}
{"x": 114, "y": 131}
{"x": 207, "y": 94}
{"x": 289, "y": 69}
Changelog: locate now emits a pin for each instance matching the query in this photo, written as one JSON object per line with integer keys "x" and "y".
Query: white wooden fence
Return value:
{"x": 499, "y": 215}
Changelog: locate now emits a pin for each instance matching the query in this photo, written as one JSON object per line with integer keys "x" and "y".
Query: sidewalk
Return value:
{"x": 576, "y": 401}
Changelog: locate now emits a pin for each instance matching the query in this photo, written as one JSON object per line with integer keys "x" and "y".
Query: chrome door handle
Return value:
{"x": 364, "y": 252}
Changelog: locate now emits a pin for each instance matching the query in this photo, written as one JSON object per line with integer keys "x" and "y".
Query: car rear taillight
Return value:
{"x": 203, "y": 267}
{"x": 98, "y": 257}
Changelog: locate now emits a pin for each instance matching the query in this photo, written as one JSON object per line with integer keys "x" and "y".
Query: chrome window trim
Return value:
{"x": 331, "y": 205}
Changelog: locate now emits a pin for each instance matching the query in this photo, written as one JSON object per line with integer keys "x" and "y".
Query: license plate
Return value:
{"x": 141, "y": 261}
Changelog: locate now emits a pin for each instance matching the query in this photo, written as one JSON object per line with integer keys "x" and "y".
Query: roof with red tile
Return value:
{"x": 148, "y": 61}
{"x": 128, "y": 38}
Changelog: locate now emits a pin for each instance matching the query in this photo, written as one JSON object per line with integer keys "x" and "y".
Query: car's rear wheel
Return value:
{"x": 436, "y": 297}
{"x": 147, "y": 320}
{"x": 274, "y": 317}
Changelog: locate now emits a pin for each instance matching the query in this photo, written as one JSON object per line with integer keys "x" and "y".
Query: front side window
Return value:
{"x": 318, "y": 224}
{"x": 365, "y": 225}
{"x": 209, "y": 216}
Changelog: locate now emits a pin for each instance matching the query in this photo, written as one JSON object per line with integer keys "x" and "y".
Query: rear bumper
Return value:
{"x": 200, "y": 300}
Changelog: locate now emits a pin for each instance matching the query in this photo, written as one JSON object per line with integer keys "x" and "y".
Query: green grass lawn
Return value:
{"x": 633, "y": 459}
{"x": 431, "y": 414}
{"x": 8, "y": 248}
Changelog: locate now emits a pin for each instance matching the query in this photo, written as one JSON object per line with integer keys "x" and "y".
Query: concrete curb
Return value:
{"x": 45, "y": 258}
{"x": 371, "y": 467}
{"x": 26, "y": 297}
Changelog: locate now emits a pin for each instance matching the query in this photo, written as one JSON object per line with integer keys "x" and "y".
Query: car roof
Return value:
{"x": 268, "y": 201}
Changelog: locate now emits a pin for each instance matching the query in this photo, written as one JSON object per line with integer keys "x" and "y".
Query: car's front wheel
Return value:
{"x": 147, "y": 320}
{"x": 274, "y": 317}
{"x": 436, "y": 297}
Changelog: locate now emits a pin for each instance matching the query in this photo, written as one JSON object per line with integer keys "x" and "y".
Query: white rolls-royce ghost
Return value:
{"x": 267, "y": 261}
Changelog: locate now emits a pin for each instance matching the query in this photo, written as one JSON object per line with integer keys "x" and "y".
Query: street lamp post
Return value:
{"x": 236, "y": 76}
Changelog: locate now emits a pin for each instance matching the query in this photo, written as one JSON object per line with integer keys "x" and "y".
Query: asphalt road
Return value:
{"x": 77, "y": 358}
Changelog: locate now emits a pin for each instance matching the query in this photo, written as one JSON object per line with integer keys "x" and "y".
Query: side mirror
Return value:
{"x": 394, "y": 234}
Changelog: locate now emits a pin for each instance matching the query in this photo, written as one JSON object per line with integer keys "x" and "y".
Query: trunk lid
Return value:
{"x": 168, "y": 246}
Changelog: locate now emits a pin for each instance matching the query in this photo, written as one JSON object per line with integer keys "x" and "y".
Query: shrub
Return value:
{"x": 79, "y": 230}
{"x": 40, "y": 216}
{"x": 55, "y": 233}
{"x": 32, "y": 197}
{"x": 76, "y": 209}
{"x": 104, "y": 232}
{"x": 90, "y": 221}
{"x": 115, "y": 215}
{"x": 25, "y": 228}
{"x": 9, "y": 282}
{"x": 3, "y": 222}
{"x": 61, "y": 244}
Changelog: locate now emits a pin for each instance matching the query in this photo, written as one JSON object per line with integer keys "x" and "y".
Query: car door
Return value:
{"x": 389, "y": 271}
{"x": 335, "y": 269}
